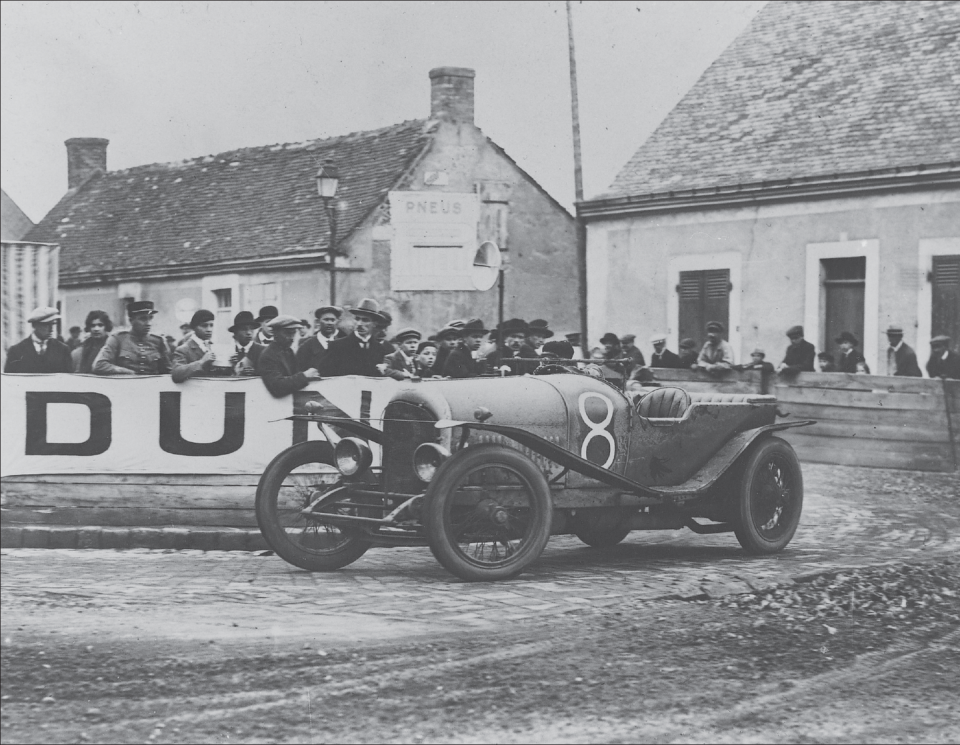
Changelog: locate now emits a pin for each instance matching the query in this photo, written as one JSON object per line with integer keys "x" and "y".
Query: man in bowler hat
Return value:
{"x": 278, "y": 366}
{"x": 137, "y": 351}
{"x": 800, "y": 353}
{"x": 265, "y": 334}
{"x": 513, "y": 355}
{"x": 465, "y": 361}
{"x": 40, "y": 352}
{"x": 361, "y": 352}
{"x": 247, "y": 354}
{"x": 538, "y": 331}
{"x": 849, "y": 356}
{"x": 901, "y": 359}
{"x": 312, "y": 350}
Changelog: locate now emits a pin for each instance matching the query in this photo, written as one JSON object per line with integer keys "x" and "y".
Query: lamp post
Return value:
{"x": 328, "y": 179}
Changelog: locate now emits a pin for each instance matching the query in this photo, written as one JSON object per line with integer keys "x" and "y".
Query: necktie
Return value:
{"x": 241, "y": 353}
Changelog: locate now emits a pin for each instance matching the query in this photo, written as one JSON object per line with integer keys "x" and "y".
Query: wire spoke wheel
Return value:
{"x": 771, "y": 497}
{"x": 488, "y": 513}
{"x": 299, "y": 477}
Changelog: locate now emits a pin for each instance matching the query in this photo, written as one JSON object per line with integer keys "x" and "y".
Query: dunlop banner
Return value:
{"x": 55, "y": 424}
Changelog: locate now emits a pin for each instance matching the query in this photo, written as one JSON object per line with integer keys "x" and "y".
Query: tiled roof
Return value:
{"x": 246, "y": 204}
{"x": 809, "y": 89}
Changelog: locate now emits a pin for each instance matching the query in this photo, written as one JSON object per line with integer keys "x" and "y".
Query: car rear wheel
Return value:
{"x": 770, "y": 497}
{"x": 487, "y": 513}
{"x": 298, "y": 477}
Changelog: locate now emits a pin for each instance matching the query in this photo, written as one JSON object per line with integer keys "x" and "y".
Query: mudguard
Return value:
{"x": 694, "y": 486}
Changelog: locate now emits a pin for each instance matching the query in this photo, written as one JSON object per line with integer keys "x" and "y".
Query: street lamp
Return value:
{"x": 328, "y": 179}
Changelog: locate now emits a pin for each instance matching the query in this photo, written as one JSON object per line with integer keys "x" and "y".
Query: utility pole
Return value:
{"x": 578, "y": 184}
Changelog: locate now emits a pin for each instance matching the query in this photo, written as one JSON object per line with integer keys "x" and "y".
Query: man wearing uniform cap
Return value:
{"x": 137, "y": 351}
{"x": 465, "y": 361}
{"x": 663, "y": 357}
{"x": 40, "y": 352}
{"x": 901, "y": 359}
{"x": 800, "y": 353}
{"x": 943, "y": 363}
{"x": 247, "y": 355}
{"x": 278, "y": 366}
{"x": 195, "y": 356}
{"x": 402, "y": 364}
{"x": 361, "y": 352}
{"x": 312, "y": 351}
{"x": 716, "y": 355}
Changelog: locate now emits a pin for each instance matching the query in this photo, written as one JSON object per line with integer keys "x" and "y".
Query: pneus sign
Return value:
{"x": 90, "y": 424}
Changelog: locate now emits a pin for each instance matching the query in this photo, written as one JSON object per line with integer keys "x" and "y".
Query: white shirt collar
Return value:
{"x": 244, "y": 347}
{"x": 897, "y": 348}
{"x": 38, "y": 342}
{"x": 363, "y": 340}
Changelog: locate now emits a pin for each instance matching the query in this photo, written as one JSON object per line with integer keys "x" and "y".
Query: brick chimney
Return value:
{"x": 84, "y": 156}
{"x": 451, "y": 94}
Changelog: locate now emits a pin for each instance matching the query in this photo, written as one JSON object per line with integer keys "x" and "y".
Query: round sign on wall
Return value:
{"x": 486, "y": 265}
{"x": 185, "y": 308}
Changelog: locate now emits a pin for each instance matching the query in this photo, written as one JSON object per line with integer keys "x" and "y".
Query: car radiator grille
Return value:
{"x": 406, "y": 426}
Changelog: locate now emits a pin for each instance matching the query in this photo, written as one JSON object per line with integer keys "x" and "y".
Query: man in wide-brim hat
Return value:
{"x": 466, "y": 361}
{"x": 40, "y": 352}
{"x": 402, "y": 364}
{"x": 137, "y": 351}
{"x": 513, "y": 355}
{"x": 360, "y": 352}
{"x": 849, "y": 356}
{"x": 312, "y": 350}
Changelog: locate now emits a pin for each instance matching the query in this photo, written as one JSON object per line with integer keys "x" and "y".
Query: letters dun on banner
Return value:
{"x": 90, "y": 424}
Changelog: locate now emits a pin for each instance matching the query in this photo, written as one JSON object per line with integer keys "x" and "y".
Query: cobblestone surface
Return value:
{"x": 877, "y": 519}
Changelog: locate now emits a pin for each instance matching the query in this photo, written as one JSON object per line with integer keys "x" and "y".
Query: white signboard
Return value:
{"x": 434, "y": 240}
{"x": 149, "y": 424}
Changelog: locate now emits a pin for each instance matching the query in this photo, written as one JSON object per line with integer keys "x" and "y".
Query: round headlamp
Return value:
{"x": 353, "y": 456}
{"x": 427, "y": 459}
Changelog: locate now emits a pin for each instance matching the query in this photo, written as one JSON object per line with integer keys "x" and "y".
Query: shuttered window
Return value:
{"x": 946, "y": 296}
{"x": 704, "y": 296}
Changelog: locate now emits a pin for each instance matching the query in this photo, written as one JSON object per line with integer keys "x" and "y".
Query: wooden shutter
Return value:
{"x": 703, "y": 296}
{"x": 946, "y": 296}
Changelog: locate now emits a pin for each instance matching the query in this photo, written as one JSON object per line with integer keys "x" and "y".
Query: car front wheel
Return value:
{"x": 487, "y": 513}
{"x": 770, "y": 497}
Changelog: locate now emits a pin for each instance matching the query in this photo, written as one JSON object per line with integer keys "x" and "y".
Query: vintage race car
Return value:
{"x": 485, "y": 470}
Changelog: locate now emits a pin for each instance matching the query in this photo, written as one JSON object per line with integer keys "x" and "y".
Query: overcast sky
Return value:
{"x": 168, "y": 81}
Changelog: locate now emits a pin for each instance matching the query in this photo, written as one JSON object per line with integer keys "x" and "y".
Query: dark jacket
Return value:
{"x": 278, "y": 369}
{"x": 346, "y": 357}
{"x": 461, "y": 364}
{"x": 907, "y": 365}
{"x": 687, "y": 358}
{"x": 442, "y": 354}
{"x": 253, "y": 354}
{"x": 398, "y": 363}
{"x": 848, "y": 362}
{"x": 666, "y": 359}
{"x": 126, "y": 354}
{"x": 85, "y": 355}
{"x": 505, "y": 356}
{"x": 800, "y": 357}
{"x": 937, "y": 367}
{"x": 23, "y": 358}
{"x": 311, "y": 352}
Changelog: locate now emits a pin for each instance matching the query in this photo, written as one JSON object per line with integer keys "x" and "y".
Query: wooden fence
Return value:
{"x": 862, "y": 420}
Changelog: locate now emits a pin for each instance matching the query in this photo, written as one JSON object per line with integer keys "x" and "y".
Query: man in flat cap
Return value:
{"x": 628, "y": 348}
{"x": 40, "y": 352}
{"x": 361, "y": 352}
{"x": 663, "y": 357}
{"x": 195, "y": 357}
{"x": 800, "y": 354}
{"x": 465, "y": 361}
{"x": 264, "y": 317}
{"x": 901, "y": 359}
{"x": 278, "y": 365}
{"x": 448, "y": 339}
{"x": 137, "y": 351}
{"x": 538, "y": 331}
{"x": 312, "y": 350}
{"x": 513, "y": 355}
{"x": 849, "y": 357}
{"x": 716, "y": 355}
{"x": 687, "y": 353}
{"x": 402, "y": 364}
{"x": 247, "y": 355}
{"x": 943, "y": 362}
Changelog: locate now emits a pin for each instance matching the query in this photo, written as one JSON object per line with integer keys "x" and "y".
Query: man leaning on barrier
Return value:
{"x": 137, "y": 351}
{"x": 40, "y": 352}
{"x": 278, "y": 364}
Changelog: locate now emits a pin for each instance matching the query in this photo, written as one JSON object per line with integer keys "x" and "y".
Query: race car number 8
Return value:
{"x": 597, "y": 429}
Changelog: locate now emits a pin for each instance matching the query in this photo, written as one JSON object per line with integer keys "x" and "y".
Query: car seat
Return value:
{"x": 664, "y": 403}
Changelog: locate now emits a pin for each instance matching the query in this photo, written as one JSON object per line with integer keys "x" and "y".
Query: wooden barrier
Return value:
{"x": 862, "y": 420}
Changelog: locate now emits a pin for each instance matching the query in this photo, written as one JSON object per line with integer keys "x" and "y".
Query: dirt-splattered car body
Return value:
{"x": 532, "y": 456}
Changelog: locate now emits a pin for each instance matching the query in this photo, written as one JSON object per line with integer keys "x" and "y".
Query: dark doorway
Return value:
{"x": 946, "y": 297}
{"x": 704, "y": 296}
{"x": 844, "y": 283}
